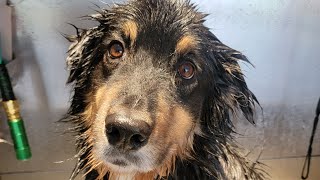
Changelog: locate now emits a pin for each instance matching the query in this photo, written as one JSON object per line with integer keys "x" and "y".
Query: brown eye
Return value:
{"x": 186, "y": 70}
{"x": 116, "y": 50}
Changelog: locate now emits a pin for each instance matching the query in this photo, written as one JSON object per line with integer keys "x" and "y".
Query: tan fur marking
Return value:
{"x": 163, "y": 127}
{"x": 93, "y": 102}
{"x": 185, "y": 44}
{"x": 183, "y": 126}
{"x": 130, "y": 29}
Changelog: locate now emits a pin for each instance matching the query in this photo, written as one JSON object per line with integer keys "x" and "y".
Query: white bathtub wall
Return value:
{"x": 280, "y": 37}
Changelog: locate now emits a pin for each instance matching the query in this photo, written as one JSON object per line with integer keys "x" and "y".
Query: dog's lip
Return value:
{"x": 114, "y": 152}
{"x": 120, "y": 158}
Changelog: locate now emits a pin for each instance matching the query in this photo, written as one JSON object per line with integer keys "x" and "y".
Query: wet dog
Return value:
{"x": 154, "y": 92}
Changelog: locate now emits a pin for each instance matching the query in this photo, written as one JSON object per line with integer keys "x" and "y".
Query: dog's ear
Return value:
{"x": 87, "y": 46}
{"x": 230, "y": 89}
{"x": 83, "y": 52}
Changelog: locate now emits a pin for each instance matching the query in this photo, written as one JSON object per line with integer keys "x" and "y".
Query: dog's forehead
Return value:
{"x": 165, "y": 26}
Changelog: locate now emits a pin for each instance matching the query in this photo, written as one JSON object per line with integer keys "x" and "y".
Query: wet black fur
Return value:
{"x": 223, "y": 92}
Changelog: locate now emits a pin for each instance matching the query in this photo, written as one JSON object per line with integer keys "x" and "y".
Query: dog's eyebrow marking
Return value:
{"x": 185, "y": 44}
{"x": 130, "y": 29}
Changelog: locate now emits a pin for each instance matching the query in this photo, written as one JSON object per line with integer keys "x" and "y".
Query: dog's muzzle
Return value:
{"x": 126, "y": 134}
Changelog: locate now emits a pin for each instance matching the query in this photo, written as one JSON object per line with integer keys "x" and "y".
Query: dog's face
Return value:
{"x": 141, "y": 79}
{"x": 149, "y": 90}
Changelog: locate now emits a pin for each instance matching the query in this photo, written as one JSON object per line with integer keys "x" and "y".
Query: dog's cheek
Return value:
{"x": 173, "y": 132}
{"x": 183, "y": 129}
{"x": 160, "y": 137}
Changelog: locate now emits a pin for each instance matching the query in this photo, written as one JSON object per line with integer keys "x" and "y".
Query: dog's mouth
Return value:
{"x": 120, "y": 162}
{"x": 121, "y": 165}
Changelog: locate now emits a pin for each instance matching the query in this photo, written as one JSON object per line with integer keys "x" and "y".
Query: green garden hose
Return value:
{"x": 15, "y": 122}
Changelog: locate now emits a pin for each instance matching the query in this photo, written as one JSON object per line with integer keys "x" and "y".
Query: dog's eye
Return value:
{"x": 186, "y": 70}
{"x": 116, "y": 50}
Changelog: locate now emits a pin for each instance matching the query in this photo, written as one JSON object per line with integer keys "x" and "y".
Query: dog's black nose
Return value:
{"x": 125, "y": 133}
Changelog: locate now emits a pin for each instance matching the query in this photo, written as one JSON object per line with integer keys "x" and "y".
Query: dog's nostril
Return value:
{"x": 110, "y": 129}
{"x": 137, "y": 140}
{"x": 113, "y": 134}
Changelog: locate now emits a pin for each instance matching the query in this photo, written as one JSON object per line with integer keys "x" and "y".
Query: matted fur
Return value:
{"x": 192, "y": 118}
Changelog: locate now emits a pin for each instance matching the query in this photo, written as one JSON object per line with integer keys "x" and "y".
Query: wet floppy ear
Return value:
{"x": 83, "y": 52}
{"x": 231, "y": 91}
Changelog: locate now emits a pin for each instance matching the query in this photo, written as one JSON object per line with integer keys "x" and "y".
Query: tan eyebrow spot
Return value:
{"x": 130, "y": 29}
{"x": 185, "y": 44}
